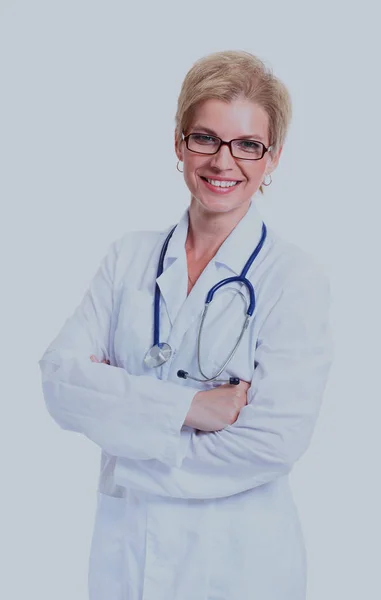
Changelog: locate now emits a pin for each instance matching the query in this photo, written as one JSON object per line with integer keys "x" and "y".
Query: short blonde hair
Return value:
{"x": 231, "y": 75}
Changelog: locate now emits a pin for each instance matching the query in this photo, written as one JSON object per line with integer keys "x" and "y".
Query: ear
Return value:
{"x": 273, "y": 162}
{"x": 178, "y": 149}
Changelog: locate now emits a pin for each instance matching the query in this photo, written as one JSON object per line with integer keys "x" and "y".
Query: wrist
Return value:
{"x": 192, "y": 418}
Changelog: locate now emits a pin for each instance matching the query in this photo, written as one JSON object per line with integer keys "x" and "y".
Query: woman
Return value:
{"x": 194, "y": 501}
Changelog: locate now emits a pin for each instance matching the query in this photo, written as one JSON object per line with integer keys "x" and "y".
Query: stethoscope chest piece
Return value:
{"x": 158, "y": 355}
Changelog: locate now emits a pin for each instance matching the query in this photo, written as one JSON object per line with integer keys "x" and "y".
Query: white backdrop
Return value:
{"x": 87, "y": 89}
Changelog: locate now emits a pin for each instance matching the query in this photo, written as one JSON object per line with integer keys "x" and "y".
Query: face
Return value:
{"x": 228, "y": 121}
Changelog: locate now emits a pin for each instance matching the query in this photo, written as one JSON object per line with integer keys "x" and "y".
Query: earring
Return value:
{"x": 266, "y": 184}
{"x": 177, "y": 167}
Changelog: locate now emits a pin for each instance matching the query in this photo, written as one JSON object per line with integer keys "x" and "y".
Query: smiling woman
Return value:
{"x": 194, "y": 501}
{"x": 236, "y": 79}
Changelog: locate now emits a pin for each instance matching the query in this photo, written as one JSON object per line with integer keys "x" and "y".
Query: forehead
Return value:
{"x": 231, "y": 119}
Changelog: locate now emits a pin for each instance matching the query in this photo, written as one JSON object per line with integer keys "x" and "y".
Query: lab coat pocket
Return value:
{"x": 106, "y": 563}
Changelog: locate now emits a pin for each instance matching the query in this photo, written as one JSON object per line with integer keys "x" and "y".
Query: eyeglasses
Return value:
{"x": 203, "y": 143}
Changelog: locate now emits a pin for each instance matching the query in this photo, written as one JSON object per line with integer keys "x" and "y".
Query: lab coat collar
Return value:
{"x": 235, "y": 250}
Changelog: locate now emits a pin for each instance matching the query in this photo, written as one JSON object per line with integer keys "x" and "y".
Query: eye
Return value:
{"x": 203, "y": 138}
{"x": 250, "y": 145}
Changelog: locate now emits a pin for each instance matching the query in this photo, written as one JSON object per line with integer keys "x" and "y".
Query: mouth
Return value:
{"x": 220, "y": 186}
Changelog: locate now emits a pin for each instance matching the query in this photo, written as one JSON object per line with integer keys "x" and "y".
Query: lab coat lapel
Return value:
{"x": 193, "y": 305}
{"x": 173, "y": 281}
{"x": 173, "y": 287}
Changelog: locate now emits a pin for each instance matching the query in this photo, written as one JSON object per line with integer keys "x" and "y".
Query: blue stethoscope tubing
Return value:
{"x": 239, "y": 278}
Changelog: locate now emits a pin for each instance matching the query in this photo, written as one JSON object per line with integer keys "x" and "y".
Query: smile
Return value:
{"x": 217, "y": 184}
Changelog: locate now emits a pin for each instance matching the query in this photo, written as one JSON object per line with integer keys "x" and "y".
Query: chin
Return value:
{"x": 220, "y": 204}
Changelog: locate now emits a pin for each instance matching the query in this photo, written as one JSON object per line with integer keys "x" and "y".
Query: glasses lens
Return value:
{"x": 205, "y": 144}
{"x": 247, "y": 149}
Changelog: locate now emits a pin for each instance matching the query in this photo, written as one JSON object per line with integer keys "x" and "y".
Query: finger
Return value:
{"x": 245, "y": 385}
{"x": 93, "y": 358}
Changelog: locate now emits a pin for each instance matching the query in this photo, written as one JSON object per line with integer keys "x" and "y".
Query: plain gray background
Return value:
{"x": 87, "y": 103}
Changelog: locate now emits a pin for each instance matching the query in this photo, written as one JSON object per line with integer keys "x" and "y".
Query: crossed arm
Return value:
{"x": 140, "y": 419}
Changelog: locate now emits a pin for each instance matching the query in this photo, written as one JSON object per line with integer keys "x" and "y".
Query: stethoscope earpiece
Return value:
{"x": 182, "y": 374}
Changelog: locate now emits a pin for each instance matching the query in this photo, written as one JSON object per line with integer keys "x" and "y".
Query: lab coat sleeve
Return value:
{"x": 139, "y": 417}
{"x": 293, "y": 358}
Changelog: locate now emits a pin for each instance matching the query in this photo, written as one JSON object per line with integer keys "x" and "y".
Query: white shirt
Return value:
{"x": 185, "y": 514}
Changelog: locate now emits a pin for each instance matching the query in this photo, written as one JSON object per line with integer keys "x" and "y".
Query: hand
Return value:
{"x": 94, "y": 359}
{"x": 217, "y": 408}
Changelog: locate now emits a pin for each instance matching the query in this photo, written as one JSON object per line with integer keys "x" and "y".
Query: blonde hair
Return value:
{"x": 230, "y": 75}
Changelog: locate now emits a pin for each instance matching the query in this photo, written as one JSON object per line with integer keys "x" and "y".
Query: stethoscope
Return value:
{"x": 160, "y": 352}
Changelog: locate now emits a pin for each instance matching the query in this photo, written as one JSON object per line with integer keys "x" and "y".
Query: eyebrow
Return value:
{"x": 251, "y": 136}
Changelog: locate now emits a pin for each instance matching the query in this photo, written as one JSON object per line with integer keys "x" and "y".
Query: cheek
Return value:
{"x": 188, "y": 178}
{"x": 190, "y": 171}
{"x": 255, "y": 175}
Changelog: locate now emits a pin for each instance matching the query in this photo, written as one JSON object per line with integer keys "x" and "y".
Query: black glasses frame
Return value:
{"x": 224, "y": 143}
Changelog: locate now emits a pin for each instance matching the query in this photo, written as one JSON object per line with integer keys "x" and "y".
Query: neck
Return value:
{"x": 207, "y": 231}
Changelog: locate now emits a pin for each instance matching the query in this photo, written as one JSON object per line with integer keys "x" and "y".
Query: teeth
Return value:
{"x": 223, "y": 184}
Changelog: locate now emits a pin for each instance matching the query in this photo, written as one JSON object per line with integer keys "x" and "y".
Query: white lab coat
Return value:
{"x": 184, "y": 514}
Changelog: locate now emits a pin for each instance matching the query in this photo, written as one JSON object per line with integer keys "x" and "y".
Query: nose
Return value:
{"x": 223, "y": 160}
